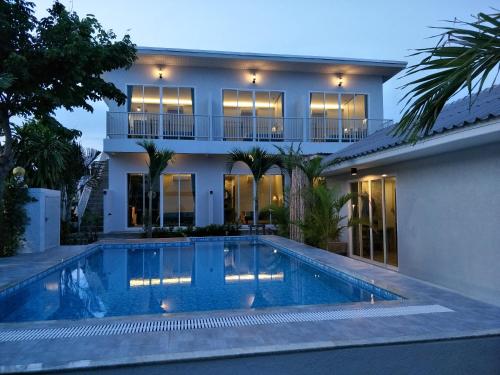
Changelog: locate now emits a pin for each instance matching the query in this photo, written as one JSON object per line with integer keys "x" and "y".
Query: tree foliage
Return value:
{"x": 52, "y": 62}
{"x": 53, "y": 159}
{"x": 13, "y": 217}
{"x": 463, "y": 58}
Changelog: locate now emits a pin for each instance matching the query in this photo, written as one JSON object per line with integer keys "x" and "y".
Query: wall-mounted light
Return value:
{"x": 160, "y": 73}
{"x": 340, "y": 80}
{"x": 354, "y": 171}
{"x": 254, "y": 78}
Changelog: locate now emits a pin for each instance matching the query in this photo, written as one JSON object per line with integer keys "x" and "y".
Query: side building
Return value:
{"x": 433, "y": 208}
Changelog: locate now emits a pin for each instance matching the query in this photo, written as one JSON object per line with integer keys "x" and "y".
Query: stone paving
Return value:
{"x": 470, "y": 318}
{"x": 21, "y": 266}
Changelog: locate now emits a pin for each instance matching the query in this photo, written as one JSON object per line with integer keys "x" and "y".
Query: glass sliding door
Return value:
{"x": 377, "y": 226}
{"x": 144, "y": 111}
{"x": 354, "y": 116}
{"x": 355, "y": 211}
{"x": 165, "y": 112}
{"x": 364, "y": 215}
{"x": 270, "y": 192}
{"x": 238, "y": 198}
{"x": 391, "y": 221}
{"x": 178, "y": 111}
{"x": 249, "y": 115}
{"x": 324, "y": 116}
{"x": 179, "y": 199}
{"x": 135, "y": 199}
{"x": 376, "y": 237}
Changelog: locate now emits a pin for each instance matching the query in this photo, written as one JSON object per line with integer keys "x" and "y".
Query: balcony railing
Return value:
{"x": 238, "y": 128}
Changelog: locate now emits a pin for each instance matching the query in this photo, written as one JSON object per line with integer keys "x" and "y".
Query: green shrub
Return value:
{"x": 281, "y": 218}
{"x": 323, "y": 220}
{"x": 167, "y": 232}
{"x": 209, "y": 230}
{"x": 13, "y": 216}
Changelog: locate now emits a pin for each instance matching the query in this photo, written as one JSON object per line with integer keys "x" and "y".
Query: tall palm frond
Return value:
{"x": 158, "y": 161}
{"x": 314, "y": 167}
{"x": 464, "y": 57}
{"x": 259, "y": 161}
{"x": 290, "y": 158}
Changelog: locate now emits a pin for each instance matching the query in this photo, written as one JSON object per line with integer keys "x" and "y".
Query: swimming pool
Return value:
{"x": 198, "y": 275}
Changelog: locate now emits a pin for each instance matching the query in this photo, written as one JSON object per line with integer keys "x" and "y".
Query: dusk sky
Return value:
{"x": 385, "y": 30}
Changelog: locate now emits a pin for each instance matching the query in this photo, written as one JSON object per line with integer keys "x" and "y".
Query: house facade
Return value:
{"x": 203, "y": 104}
{"x": 431, "y": 209}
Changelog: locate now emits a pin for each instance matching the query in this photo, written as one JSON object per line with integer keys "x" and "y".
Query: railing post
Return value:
{"x": 254, "y": 128}
{"x": 160, "y": 126}
{"x": 340, "y": 130}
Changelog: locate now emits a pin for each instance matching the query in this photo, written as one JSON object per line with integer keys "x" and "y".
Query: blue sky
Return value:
{"x": 384, "y": 29}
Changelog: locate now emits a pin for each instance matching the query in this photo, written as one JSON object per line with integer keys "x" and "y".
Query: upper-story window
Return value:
{"x": 161, "y": 112}
{"x": 154, "y": 99}
{"x": 337, "y": 116}
{"x": 252, "y": 103}
{"x": 252, "y": 115}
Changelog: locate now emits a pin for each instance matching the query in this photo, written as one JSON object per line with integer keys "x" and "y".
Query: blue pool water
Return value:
{"x": 198, "y": 276}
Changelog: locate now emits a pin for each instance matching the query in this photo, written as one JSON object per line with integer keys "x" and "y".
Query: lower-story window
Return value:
{"x": 238, "y": 198}
{"x": 135, "y": 197}
{"x": 137, "y": 202}
{"x": 179, "y": 199}
{"x": 376, "y": 237}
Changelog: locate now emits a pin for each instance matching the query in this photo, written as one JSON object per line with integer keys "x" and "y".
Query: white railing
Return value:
{"x": 156, "y": 125}
{"x": 255, "y": 128}
{"x": 238, "y": 128}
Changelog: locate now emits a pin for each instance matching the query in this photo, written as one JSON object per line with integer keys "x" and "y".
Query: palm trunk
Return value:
{"x": 256, "y": 202}
{"x": 298, "y": 186}
{"x": 150, "y": 214}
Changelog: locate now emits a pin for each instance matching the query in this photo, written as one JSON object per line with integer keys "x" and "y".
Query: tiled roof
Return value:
{"x": 455, "y": 115}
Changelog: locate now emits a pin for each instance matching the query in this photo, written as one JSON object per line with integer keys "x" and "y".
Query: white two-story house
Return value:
{"x": 203, "y": 104}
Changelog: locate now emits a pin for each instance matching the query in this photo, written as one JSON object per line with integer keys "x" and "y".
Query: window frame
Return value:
{"x": 162, "y": 224}
{"x": 370, "y": 259}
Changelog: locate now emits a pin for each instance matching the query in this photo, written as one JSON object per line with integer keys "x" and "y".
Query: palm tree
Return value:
{"x": 323, "y": 220}
{"x": 463, "y": 58}
{"x": 259, "y": 162}
{"x": 314, "y": 167}
{"x": 290, "y": 158}
{"x": 158, "y": 161}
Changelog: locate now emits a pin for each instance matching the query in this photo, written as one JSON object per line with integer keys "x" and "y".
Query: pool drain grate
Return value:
{"x": 212, "y": 322}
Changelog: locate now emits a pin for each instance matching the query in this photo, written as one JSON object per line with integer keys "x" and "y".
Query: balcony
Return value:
{"x": 237, "y": 128}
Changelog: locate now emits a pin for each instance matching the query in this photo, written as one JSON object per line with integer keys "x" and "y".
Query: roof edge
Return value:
{"x": 144, "y": 50}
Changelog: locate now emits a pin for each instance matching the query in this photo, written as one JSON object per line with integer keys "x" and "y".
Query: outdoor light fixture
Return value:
{"x": 160, "y": 74}
{"x": 354, "y": 171}
{"x": 254, "y": 78}
{"x": 384, "y": 175}
{"x": 340, "y": 80}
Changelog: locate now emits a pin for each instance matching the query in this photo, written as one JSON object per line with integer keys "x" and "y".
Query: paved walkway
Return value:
{"x": 22, "y": 266}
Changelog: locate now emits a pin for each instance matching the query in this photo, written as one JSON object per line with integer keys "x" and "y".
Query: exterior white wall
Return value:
{"x": 43, "y": 229}
{"x": 208, "y": 84}
{"x": 448, "y": 209}
{"x": 208, "y": 169}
